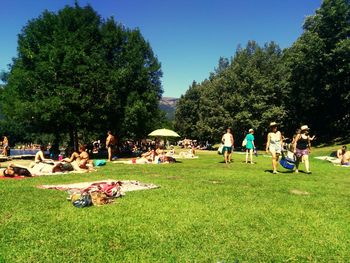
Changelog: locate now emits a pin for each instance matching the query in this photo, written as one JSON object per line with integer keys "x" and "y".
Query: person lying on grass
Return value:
{"x": 13, "y": 170}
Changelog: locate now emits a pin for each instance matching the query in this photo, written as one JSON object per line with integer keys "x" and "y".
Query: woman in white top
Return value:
{"x": 274, "y": 145}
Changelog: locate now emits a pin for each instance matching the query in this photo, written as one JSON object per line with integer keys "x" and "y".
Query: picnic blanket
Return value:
{"x": 99, "y": 192}
{"x": 183, "y": 156}
{"x": 127, "y": 185}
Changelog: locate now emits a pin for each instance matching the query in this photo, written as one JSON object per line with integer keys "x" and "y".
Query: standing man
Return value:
{"x": 227, "y": 140}
{"x": 110, "y": 143}
{"x": 5, "y": 145}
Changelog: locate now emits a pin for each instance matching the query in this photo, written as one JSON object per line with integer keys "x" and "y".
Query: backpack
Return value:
{"x": 83, "y": 201}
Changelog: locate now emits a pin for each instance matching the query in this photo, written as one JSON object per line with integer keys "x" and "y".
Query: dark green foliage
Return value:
{"x": 247, "y": 93}
{"x": 308, "y": 83}
{"x": 319, "y": 70}
{"x": 76, "y": 72}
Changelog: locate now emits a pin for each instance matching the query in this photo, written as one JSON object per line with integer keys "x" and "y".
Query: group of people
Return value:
{"x": 78, "y": 161}
{"x": 300, "y": 145}
{"x": 228, "y": 145}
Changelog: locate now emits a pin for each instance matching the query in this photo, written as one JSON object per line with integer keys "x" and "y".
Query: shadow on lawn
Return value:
{"x": 280, "y": 172}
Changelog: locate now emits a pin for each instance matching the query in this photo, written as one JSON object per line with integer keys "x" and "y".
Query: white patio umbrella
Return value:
{"x": 164, "y": 133}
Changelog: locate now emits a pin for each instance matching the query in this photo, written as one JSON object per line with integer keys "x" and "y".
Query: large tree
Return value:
{"x": 319, "y": 64}
{"x": 76, "y": 73}
{"x": 247, "y": 92}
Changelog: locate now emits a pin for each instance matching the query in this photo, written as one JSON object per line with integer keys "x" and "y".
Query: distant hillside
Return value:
{"x": 168, "y": 105}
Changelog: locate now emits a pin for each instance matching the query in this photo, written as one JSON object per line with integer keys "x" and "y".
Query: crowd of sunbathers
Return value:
{"x": 155, "y": 155}
{"x": 78, "y": 161}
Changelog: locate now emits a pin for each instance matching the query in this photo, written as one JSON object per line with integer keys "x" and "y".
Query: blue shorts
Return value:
{"x": 227, "y": 149}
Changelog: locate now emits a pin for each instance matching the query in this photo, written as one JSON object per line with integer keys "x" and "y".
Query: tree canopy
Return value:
{"x": 76, "y": 72}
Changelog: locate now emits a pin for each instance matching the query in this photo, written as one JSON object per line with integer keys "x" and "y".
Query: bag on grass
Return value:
{"x": 99, "y": 198}
{"x": 83, "y": 201}
{"x": 221, "y": 148}
{"x": 99, "y": 162}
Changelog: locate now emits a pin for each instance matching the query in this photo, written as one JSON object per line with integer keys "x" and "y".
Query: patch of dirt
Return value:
{"x": 216, "y": 182}
{"x": 298, "y": 192}
{"x": 174, "y": 177}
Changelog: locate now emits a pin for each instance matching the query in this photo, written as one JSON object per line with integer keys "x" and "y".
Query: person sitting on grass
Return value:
{"x": 40, "y": 158}
{"x": 341, "y": 152}
{"x": 149, "y": 156}
{"x": 80, "y": 159}
{"x": 346, "y": 158}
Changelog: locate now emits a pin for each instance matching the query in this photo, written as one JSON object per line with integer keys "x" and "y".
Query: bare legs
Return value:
{"x": 226, "y": 156}
{"x": 275, "y": 157}
{"x": 304, "y": 158}
{"x": 250, "y": 153}
{"x": 110, "y": 152}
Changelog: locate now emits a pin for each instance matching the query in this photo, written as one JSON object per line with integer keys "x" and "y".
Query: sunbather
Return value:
{"x": 15, "y": 170}
{"x": 81, "y": 159}
{"x": 346, "y": 158}
{"x": 40, "y": 158}
{"x": 341, "y": 152}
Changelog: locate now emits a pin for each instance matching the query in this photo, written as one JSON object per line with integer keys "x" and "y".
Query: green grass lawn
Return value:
{"x": 204, "y": 211}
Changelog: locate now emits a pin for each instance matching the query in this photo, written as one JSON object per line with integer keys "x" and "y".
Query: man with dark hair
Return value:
{"x": 227, "y": 140}
{"x": 110, "y": 144}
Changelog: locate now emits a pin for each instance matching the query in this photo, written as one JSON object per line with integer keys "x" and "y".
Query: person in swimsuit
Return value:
{"x": 302, "y": 148}
{"x": 110, "y": 144}
{"x": 345, "y": 159}
{"x": 274, "y": 145}
{"x": 81, "y": 158}
{"x": 341, "y": 152}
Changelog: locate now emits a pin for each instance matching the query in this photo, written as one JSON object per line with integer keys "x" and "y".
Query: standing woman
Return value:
{"x": 274, "y": 145}
{"x": 302, "y": 147}
{"x": 249, "y": 146}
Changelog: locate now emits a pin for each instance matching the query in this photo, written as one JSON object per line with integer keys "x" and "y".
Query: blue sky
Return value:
{"x": 187, "y": 36}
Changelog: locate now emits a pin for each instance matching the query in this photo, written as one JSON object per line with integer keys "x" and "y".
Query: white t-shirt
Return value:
{"x": 227, "y": 139}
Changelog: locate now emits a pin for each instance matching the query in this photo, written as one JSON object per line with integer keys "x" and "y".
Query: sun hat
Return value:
{"x": 250, "y": 130}
{"x": 304, "y": 127}
{"x": 272, "y": 124}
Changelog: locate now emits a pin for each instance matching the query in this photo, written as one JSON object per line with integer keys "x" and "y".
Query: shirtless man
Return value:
{"x": 110, "y": 143}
